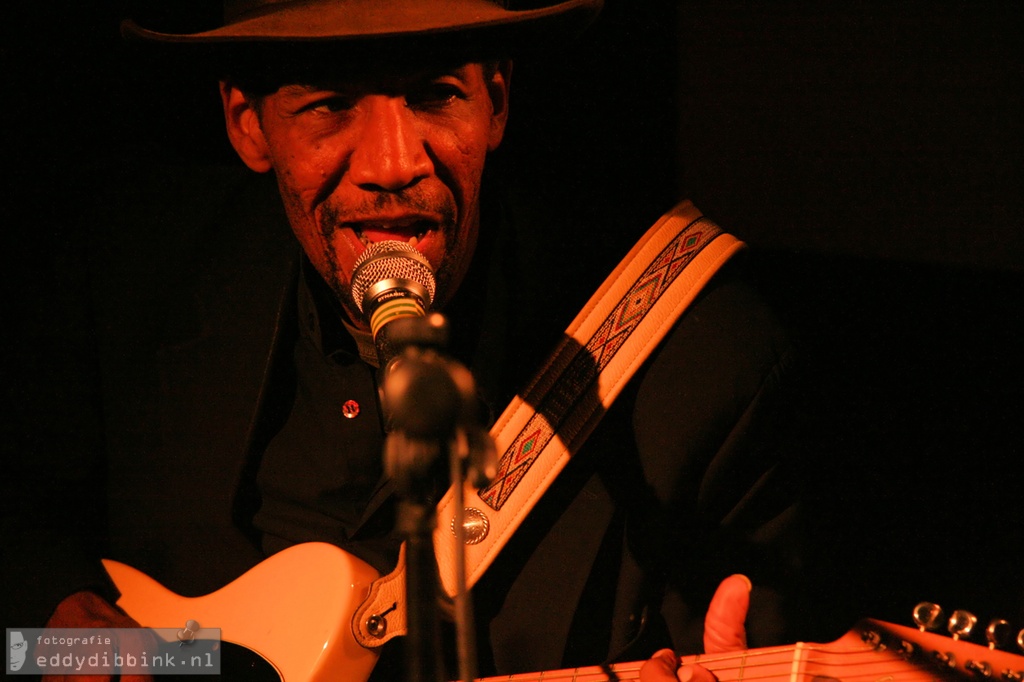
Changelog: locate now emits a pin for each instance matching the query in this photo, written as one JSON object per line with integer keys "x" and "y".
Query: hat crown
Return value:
{"x": 236, "y": 10}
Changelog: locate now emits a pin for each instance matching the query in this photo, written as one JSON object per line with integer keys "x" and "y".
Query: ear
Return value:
{"x": 244, "y": 130}
{"x": 498, "y": 89}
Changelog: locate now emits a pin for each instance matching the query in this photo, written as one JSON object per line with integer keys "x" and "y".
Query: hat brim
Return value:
{"x": 313, "y": 22}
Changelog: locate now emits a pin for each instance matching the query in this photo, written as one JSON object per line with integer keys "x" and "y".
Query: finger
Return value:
{"x": 661, "y": 667}
{"x": 88, "y": 610}
{"x": 695, "y": 673}
{"x": 724, "y": 629}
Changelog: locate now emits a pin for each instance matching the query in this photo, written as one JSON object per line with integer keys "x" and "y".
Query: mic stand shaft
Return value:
{"x": 430, "y": 404}
{"x": 423, "y": 641}
{"x": 465, "y": 629}
{"x": 413, "y": 465}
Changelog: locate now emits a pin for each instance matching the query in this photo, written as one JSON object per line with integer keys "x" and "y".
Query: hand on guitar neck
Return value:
{"x": 724, "y": 631}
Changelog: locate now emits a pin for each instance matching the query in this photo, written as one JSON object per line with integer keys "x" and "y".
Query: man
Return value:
{"x": 376, "y": 122}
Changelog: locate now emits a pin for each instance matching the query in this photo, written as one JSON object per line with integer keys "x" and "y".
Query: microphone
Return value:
{"x": 391, "y": 280}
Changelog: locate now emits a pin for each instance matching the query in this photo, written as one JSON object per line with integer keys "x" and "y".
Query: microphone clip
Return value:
{"x": 430, "y": 405}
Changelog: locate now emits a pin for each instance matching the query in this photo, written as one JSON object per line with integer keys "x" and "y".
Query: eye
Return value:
{"x": 434, "y": 95}
{"x": 332, "y": 104}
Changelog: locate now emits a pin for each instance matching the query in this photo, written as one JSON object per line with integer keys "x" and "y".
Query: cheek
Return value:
{"x": 462, "y": 152}
{"x": 306, "y": 177}
{"x": 302, "y": 218}
{"x": 297, "y": 203}
{"x": 305, "y": 163}
{"x": 305, "y": 172}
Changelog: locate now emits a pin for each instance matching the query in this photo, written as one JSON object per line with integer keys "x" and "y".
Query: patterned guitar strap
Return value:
{"x": 541, "y": 429}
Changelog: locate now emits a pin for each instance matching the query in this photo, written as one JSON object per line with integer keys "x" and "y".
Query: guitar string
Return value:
{"x": 633, "y": 673}
{"x": 889, "y": 667}
{"x": 629, "y": 674}
{"x": 630, "y": 671}
{"x": 894, "y": 666}
{"x": 812, "y": 666}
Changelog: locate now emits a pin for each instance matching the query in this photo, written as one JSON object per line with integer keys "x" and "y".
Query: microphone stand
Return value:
{"x": 430, "y": 405}
{"x": 416, "y": 522}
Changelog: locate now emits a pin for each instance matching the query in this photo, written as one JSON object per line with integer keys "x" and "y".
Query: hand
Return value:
{"x": 724, "y": 632}
{"x": 89, "y": 610}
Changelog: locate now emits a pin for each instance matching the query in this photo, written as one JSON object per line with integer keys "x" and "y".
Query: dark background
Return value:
{"x": 870, "y": 153}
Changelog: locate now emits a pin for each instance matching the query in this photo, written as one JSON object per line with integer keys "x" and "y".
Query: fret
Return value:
{"x": 797, "y": 660}
{"x": 775, "y": 662}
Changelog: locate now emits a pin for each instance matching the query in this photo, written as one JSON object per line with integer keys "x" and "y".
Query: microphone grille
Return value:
{"x": 390, "y": 260}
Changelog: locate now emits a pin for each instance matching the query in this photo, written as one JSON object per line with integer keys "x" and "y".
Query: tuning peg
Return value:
{"x": 961, "y": 623}
{"x": 927, "y": 615}
{"x": 997, "y": 634}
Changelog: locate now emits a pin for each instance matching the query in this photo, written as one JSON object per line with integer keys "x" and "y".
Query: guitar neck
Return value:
{"x": 873, "y": 650}
{"x": 752, "y": 664}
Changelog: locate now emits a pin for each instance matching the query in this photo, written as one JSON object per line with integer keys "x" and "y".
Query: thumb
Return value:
{"x": 723, "y": 626}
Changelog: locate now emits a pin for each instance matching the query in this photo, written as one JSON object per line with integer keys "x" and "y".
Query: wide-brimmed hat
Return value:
{"x": 336, "y": 22}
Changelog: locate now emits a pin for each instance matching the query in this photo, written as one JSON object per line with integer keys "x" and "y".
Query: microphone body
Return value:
{"x": 391, "y": 281}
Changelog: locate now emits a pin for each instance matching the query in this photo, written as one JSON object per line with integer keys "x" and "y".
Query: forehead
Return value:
{"x": 265, "y": 73}
{"x": 383, "y": 79}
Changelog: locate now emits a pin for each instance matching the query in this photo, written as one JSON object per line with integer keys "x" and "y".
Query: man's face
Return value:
{"x": 388, "y": 154}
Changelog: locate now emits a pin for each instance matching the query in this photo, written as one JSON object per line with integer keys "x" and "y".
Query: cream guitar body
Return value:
{"x": 293, "y": 609}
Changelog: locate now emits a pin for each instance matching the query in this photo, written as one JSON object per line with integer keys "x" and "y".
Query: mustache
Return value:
{"x": 411, "y": 200}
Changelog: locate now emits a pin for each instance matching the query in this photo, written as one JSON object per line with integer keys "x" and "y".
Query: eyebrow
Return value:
{"x": 374, "y": 82}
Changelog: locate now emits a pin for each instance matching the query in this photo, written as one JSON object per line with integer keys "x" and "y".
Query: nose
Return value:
{"x": 390, "y": 154}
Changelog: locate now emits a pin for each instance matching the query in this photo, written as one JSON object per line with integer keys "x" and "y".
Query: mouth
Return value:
{"x": 411, "y": 229}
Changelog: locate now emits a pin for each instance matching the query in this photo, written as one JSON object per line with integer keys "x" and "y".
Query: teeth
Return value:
{"x": 413, "y": 240}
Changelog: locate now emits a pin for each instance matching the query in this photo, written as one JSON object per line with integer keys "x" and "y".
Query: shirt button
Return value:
{"x": 350, "y": 409}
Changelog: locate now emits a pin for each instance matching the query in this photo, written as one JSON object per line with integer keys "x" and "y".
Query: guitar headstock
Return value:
{"x": 953, "y": 655}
